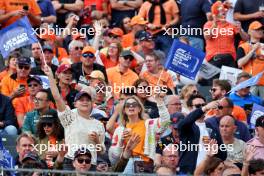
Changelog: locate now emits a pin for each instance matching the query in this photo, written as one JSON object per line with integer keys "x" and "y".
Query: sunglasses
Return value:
{"x": 128, "y": 57}
{"x": 199, "y": 105}
{"x": 26, "y": 67}
{"x": 86, "y": 55}
{"x": 78, "y": 48}
{"x": 87, "y": 161}
{"x": 113, "y": 36}
{"x": 133, "y": 105}
{"x": 33, "y": 85}
{"x": 195, "y": 92}
{"x": 213, "y": 89}
{"x": 47, "y": 124}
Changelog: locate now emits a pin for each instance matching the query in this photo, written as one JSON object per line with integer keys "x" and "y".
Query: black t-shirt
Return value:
{"x": 163, "y": 142}
{"x": 37, "y": 70}
{"x": 248, "y": 7}
{"x": 151, "y": 109}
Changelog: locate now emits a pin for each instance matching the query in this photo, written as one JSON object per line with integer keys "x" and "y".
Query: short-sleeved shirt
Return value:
{"x": 47, "y": 8}
{"x": 247, "y": 7}
{"x": 193, "y": 14}
{"x": 249, "y": 99}
{"x": 13, "y": 5}
{"x": 222, "y": 41}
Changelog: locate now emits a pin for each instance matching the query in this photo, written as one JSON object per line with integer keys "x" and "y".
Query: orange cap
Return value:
{"x": 78, "y": 36}
{"x": 138, "y": 20}
{"x": 215, "y": 8}
{"x": 88, "y": 49}
{"x": 117, "y": 31}
{"x": 48, "y": 37}
{"x": 255, "y": 25}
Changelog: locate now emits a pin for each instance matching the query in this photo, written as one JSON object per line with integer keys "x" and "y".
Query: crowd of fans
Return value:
{"x": 101, "y": 100}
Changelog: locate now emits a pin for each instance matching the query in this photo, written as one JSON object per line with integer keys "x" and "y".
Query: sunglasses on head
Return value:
{"x": 88, "y": 55}
{"x": 78, "y": 48}
{"x": 128, "y": 57}
{"x": 133, "y": 105}
{"x": 26, "y": 67}
{"x": 47, "y": 124}
{"x": 87, "y": 161}
{"x": 199, "y": 105}
{"x": 32, "y": 85}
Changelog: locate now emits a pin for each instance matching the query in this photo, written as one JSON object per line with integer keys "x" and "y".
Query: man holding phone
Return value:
{"x": 10, "y": 13}
{"x": 15, "y": 85}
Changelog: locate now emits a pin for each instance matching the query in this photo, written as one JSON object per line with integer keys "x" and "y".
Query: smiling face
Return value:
{"x": 84, "y": 104}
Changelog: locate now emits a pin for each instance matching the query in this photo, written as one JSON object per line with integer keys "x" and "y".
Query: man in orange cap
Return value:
{"x": 250, "y": 56}
{"x": 84, "y": 68}
{"x": 138, "y": 23}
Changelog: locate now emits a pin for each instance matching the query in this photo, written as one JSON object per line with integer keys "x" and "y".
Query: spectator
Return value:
{"x": 219, "y": 90}
{"x": 194, "y": 130}
{"x": 80, "y": 128}
{"x": 250, "y": 56}
{"x": 25, "y": 104}
{"x": 122, "y": 75}
{"x": 112, "y": 58}
{"x": 220, "y": 47}
{"x": 256, "y": 167}
{"x": 86, "y": 66}
{"x": 143, "y": 92}
{"x": 7, "y": 116}
{"x": 41, "y": 106}
{"x": 48, "y": 54}
{"x": 243, "y": 96}
{"x": 173, "y": 104}
{"x": 236, "y": 146}
{"x": 186, "y": 92}
{"x": 67, "y": 91}
{"x": 10, "y": 66}
{"x": 164, "y": 171}
{"x": 82, "y": 160}
{"x": 48, "y": 14}
{"x": 225, "y": 107}
{"x": 62, "y": 7}
{"x": 50, "y": 133}
{"x": 133, "y": 115}
{"x": 75, "y": 52}
{"x": 247, "y": 12}
{"x": 15, "y": 85}
{"x": 194, "y": 15}
{"x": 258, "y": 141}
{"x": 126, "y": 25}
{"x": 137, "y": 24}
{"x": 32, "y": 161}
{"x": 36, "y": 55}
{"x": 146, "y": 43}
{"x": 10, "y": 13}
{"x": 155, "y": 75}
{"x": 122, "y": 9}
{"x": 160, "y": 19}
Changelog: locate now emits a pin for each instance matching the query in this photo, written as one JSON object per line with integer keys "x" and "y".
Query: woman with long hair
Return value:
{"x": 132, "y": 122}
{"x": 10, "y": 65}
{"x": 112, "y": 57}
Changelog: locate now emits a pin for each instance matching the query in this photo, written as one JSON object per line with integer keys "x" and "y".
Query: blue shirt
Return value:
{"x": 193, "y": 13}
{"x": 46, "y": 8}
{"x": 249, "y": 99}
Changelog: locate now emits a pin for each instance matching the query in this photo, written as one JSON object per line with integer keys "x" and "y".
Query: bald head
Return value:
{"x": 228, "y": 120}
{"x": 170, "y": 156}
{"x": 173, "y": 103}
{"x": 227, "y": 127}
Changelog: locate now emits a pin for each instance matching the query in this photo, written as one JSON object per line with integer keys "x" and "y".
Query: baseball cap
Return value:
{"x": 176, "y": 118}
{"x": 96, "y": 74}
{"x": 99, "y": 116}
{"x": 89, "y": 91}
{"x": 30, "y": 155}
{"x": 144, "y": 35}
{"x": 48, "y": 37}
{"x": 63, "y": 68}
{"x": 138, "y": 20}
{"x": 117, "y": 31}
{"x": 88, "y": 49}
{"x": 125, "y": 53}
{"x": 82, "y": 151}
{"x": 47, "y": 48}
{"x": 255, "y": 25}
{"x": 260, "y": 122}
{"x": 23, "y": 61}
{"x": 49, "y": 116}
{"x": 78, "y": 36}
{"x": 34, "y": 78}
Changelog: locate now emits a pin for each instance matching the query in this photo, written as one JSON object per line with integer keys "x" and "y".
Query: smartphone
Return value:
{"x": 25, "y": 7}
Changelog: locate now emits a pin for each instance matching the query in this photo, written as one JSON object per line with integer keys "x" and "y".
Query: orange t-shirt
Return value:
{"x": 108, "y": 63}
{"x": 128, "y": 40}
{"x": 170, "y": 8}
{"x": 223, "y": 40}
{"x": 165, "y": 79}
{"x": 3, "y": 74}
{"x": 13, "y": 5}
{"x": 23, "y": 105}
{"x": 238, "y": 112}
{"x": 140, "y": 129}
{"x": 62, "y": 53}
{"x": 11, "y": 83}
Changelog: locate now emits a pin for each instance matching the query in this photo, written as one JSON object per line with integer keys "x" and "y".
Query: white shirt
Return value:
{"x": 203, "y": 133}
{"x": 77, "y": 128}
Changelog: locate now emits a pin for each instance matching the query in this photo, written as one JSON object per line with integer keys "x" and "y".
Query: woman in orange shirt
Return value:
{"x": 11, "y": 65}
{"x": 112, "y": 57}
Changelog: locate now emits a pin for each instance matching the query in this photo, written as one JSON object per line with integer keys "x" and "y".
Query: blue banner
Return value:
{"x": 6, "y": 160}
{"x": 250, "y": 82}
{"x": 257, "y": 111}
{"x": 16, "y": 35}
{"x": 184, "y": 59}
